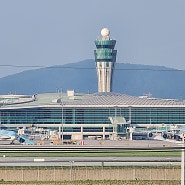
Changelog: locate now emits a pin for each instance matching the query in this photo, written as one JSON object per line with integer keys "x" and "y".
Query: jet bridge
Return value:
{"x": 117, "y": 120}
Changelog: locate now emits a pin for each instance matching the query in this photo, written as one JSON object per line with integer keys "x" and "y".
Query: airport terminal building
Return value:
{"x": 83, "y": 115}
{"x": 104, "y": 113}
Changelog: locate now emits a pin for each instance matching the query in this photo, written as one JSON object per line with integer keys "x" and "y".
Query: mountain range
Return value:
{"x": 131, "y": 79}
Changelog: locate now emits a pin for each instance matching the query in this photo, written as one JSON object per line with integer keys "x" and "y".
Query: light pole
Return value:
{"x": 130, "y": 114}
{"x": 0, "y": 119}
{"x": 62, "y": 123}
{"x": 182, "y": 161}
{"x": 115, "y": 123}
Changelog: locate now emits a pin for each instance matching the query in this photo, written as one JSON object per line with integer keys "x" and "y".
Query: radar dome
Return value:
{"x": 105, "y": 32}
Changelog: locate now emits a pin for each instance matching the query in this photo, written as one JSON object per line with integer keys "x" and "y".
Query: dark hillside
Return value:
{"x": 130, "y": 79}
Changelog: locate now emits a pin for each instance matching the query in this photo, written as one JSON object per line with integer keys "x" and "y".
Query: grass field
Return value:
{"x": 116, "y": 153}
{"x": 96, "y": 182}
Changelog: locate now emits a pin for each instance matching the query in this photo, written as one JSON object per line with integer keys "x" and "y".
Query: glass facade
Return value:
{"x": 105, "y": 50}
{"x": 55, "y": 115}
{"x": 92, "y": 116}
{"x": 166, "y": 115}
{"x": 105, "y": 44}
{"x": 106, "y": 54}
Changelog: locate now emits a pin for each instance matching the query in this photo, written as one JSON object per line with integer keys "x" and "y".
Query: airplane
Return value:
{"x": 6, "y": 135}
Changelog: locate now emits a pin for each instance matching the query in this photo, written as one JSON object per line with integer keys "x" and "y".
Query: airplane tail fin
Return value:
{"x": 25, "y": 140}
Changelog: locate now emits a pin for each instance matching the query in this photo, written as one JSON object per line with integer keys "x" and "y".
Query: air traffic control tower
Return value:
{"x": 105, "y": 58}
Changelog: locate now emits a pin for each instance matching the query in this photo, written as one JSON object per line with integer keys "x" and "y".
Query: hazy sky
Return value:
{"x": 54, "y": 32}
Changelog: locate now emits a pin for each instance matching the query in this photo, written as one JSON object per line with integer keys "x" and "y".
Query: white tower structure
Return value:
{"x": 105, "y": 58}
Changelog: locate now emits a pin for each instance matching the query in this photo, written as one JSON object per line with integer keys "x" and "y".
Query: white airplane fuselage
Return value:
{"x": 6, "y": 135}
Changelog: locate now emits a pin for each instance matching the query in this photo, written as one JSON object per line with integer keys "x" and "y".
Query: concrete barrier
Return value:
{"x": 63, "y": 174}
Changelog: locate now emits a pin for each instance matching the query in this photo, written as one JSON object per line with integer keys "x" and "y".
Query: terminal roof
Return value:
{"x": 89, "y": 100}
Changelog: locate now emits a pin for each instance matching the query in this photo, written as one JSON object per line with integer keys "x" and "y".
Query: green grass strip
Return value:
{"x": 96, "y": 154}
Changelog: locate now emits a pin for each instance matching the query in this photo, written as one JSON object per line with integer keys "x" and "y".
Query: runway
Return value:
{"x": 91, "y": 147}
{"x": 88, "y": 161}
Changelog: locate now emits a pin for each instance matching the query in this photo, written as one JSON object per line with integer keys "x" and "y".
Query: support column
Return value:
{"x": 103, "y": 132}
{"x": 59, "y": 133}
{"x": 82, "y": 132}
